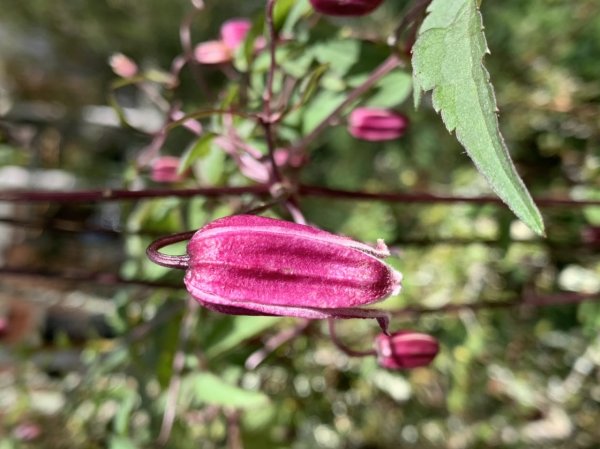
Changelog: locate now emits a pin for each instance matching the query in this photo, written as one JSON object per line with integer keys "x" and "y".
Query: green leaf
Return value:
{"x": 392, "y": 90}
{"x": 198, "y": 150}
{"x": 448, "y": 59}
{"x": 242, "y": 328}
{"x": 281, "y": 11}
{"x": 319, "y": 107}
{"x": 118, "y": 442}
{"x": 208, "y": 388}
{"x": 340, "y": 54}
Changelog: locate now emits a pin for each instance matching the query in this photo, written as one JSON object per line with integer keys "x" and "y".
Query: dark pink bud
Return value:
{"x": 405, "y": 349}
{"x": 345, "y": 7}
{"x": 165, "y": 169}
{"x": 376, "y": 124}
{"x": 212, "y": 52}
{"x": 234, "y": 31}
{"x": 251, "y": 265}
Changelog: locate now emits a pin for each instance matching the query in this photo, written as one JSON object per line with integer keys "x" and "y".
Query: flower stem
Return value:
{"x": 342, "y": 346}
{"x": 267, "y": 120}
{"x": 180, "y": 262}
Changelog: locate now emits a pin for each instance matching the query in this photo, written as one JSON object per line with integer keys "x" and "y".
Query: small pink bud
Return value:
{"x": 123, "y": 66}
{"x": 165, "y": 169}
{"x": 234, "y": 31}
{"x": 251, "y": 265}
{"x": 405, "y": 349}
{"x": 285, "y": 157}
{"x": 192, "y": 125}
{"x": 376, "y": 124}
{"x": 345, "y": 7}
{"x": 27, "y": 431}
{"x": 212, "y": 52}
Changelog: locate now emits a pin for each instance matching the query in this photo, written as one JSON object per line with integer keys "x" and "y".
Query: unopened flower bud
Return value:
{"x": 123, "y": 66}
{"x": 345, "y": 7}
{"x": 405, "y": 349}
{"x": 376, "y": 124}
{"x": 285, "y": 157}
{"x": 166, "y": 169}
{"x": 251, "y": 265}
{"x": 212, "y": 52}
{"x": 234, "y": 31}
{"x": 27, "y": 431}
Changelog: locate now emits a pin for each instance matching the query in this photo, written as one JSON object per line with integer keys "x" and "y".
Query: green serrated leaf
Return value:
{"x": 208, "y": 388}
{"x": 447, "y": 58}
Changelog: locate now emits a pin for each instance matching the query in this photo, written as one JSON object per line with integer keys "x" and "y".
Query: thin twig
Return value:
{"x": 185, "y": 36}
{"x": 234, "y": 434}
{"x": 556, "y": 299}
{"x": 423, "y": 197}
{"x": 87, "y": 196}
{"x": 267, "y": 120}
{"x": 78, "y": 276}
{"x": 387, "y": 66}
{"x": 274, "y": 342}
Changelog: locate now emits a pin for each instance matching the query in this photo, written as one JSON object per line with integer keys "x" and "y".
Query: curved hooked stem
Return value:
{"x": 179, "y": 262}
{"x": 343, "y": 347}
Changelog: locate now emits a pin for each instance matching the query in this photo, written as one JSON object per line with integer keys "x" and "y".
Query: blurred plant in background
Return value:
{"x": 102, "y": 348}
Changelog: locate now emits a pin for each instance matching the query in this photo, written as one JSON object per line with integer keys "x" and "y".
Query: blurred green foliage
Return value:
{"x": 505, "y": 378}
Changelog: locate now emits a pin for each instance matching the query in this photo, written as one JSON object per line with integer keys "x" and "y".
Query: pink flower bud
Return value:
{"x": 251, "y": 265}
{"x": 375, "y": 124}
{"x": 405, "y": 349}
{"x": 234, "y": 31}
{"x": 165, "y": 169}
{"x": 123, "y": 66}
{"x": 345, "y": 7}
{"x": 285, "y": 157}
{"x": 27, "y": 431}
{"x": 212, "y": 52}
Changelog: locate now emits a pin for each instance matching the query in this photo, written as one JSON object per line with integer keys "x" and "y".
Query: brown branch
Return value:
{"x": 555, "y": 299}
{"x": 99, "y": 278}
{"x": 423, "y": 197}
{"x": 87, "y": 196}
{"x": 30, "y": 196}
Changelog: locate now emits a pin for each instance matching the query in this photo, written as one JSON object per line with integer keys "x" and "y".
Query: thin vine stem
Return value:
{"x": 267, "y": 120}
{"x": 386, "y": 67}
{"x": 87, "y": 196}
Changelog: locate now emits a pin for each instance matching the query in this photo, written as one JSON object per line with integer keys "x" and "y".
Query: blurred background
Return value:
{"x": 90, "y": 330}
